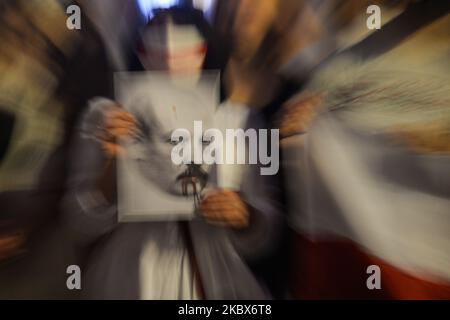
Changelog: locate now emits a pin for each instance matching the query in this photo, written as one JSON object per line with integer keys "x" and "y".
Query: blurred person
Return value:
{"x": 271, "y": 47}
{"x": 260, "y": 40}
{"x": 373, "y": 118}
{"x": 271, "y": 66}
{"x": 42, "y": 86}
{"x": 155, "y": 260}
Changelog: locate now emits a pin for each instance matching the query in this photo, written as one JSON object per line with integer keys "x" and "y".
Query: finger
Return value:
{"x": 222, "y": 199}
{"x": 11, "y": 242}
{"x": 111, "y": 123}
{"x": 229, "y": 214}
{"x": 224, "y": 210}
{"x": 112, "y": 149}
{"x": 222, "y": 196}
{"x": 121, "y": 132}
{"x": 119, "y": 116}
{"x": 224, "y": 207}
{"x": 117, "y": 110}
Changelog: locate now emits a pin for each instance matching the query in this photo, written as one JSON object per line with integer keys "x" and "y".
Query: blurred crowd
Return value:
{"x": 364, "y": 120}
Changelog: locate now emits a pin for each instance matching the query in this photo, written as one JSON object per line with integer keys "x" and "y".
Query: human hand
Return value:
{"x": 296, "y": 116}
{"x": 11, "y": 244}
{"x": 117, "y": 124}
{"x": 225, "y": 208}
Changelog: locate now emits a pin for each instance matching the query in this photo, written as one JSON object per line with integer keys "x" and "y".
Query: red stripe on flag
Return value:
{"x": 336, "y": 269}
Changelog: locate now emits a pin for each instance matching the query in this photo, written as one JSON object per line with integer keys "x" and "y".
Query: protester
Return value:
{"x": 156, "y": 257}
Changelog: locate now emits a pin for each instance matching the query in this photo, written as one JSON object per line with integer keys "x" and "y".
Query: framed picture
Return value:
{"x": 151, "y": 186}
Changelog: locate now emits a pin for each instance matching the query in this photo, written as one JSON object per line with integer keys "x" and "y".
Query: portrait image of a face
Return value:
{"x": 159, "y": 111}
